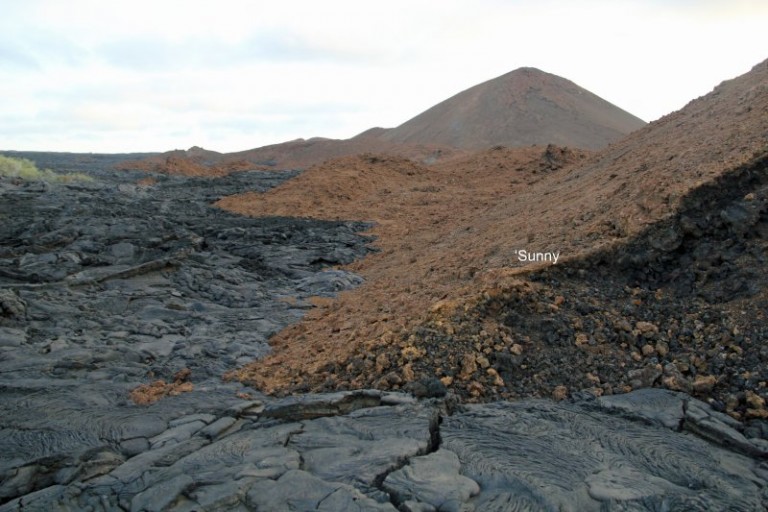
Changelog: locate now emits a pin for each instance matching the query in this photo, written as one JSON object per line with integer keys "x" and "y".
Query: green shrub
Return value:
{"x": 26, "y": 170}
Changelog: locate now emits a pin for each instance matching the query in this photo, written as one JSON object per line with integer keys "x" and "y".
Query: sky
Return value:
{"x": 229, "y": 75}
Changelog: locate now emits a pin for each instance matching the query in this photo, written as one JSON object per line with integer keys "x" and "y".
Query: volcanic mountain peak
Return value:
{"x": 530, "y": 77}
{"x": 523, "y": 107}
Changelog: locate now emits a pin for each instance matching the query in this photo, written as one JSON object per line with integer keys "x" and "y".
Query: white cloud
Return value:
{"x": 113, "y": 76}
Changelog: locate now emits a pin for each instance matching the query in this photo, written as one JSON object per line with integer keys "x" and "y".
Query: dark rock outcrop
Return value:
{"x": 402, "y": 454}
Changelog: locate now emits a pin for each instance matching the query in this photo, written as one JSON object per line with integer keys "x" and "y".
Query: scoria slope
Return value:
{"x": 526, "y": 106}
{"x": 448, "y": 298}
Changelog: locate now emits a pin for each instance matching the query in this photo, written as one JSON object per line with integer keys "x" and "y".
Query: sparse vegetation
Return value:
{"x": 23, "y": 169}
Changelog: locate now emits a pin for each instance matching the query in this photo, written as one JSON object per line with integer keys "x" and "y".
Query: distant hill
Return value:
{"x": 526, "y": 106}
{"x": 294, "y": 154}
{"x": 522, "y": 108}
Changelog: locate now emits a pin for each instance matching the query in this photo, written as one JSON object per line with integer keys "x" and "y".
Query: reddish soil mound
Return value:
{"x": 344, "y": 188}
{"x": 526, "y": 106}
{"x": 429, "y": 224}
{"x": 440, "y": 298}
{"x": 192, "y": 162}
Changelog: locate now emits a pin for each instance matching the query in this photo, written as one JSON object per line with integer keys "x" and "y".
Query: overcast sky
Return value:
{"x": 114, "y": 76}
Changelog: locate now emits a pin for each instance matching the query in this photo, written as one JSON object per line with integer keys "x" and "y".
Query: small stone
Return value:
{"x": 411, "y": 353}
{"x": 662, "y": 348}
{"x": 597, "y": 392}
{"x": 184, "y": 387}
{"x": 516, "y": 349}
{"x": 182, "y": 375}
{"x": 648, "y": 350}
{"x": 581, "y": 339}
{"x": 468, "y": 366}
{"x": 428, "y": 387}
{"x": 475, "y": 388}
{"x": 731, "y": 402}
{"x": 497, "y": 380}
{"x": 559, "y": 300}
{"x": 675, "y": 380}
{"x": 646, "y": 328}
{"x": 622, "y": 325}
{"x": 676, "y": 383}
{"x": 644, "y": 377}
{"x": 704, "y": 383}
{"x": 560, "y": 393}
{"x": 699, "y": 362}
{"x": 447, "y": 380}
{"x": 637, "y": 356}
{"x": 393, "y": 379}
{"x": 483, "y": 362}
{"x": 754, "y": 400}
{"x": 408, "y": 374}
{"x": 382, "y": 362}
